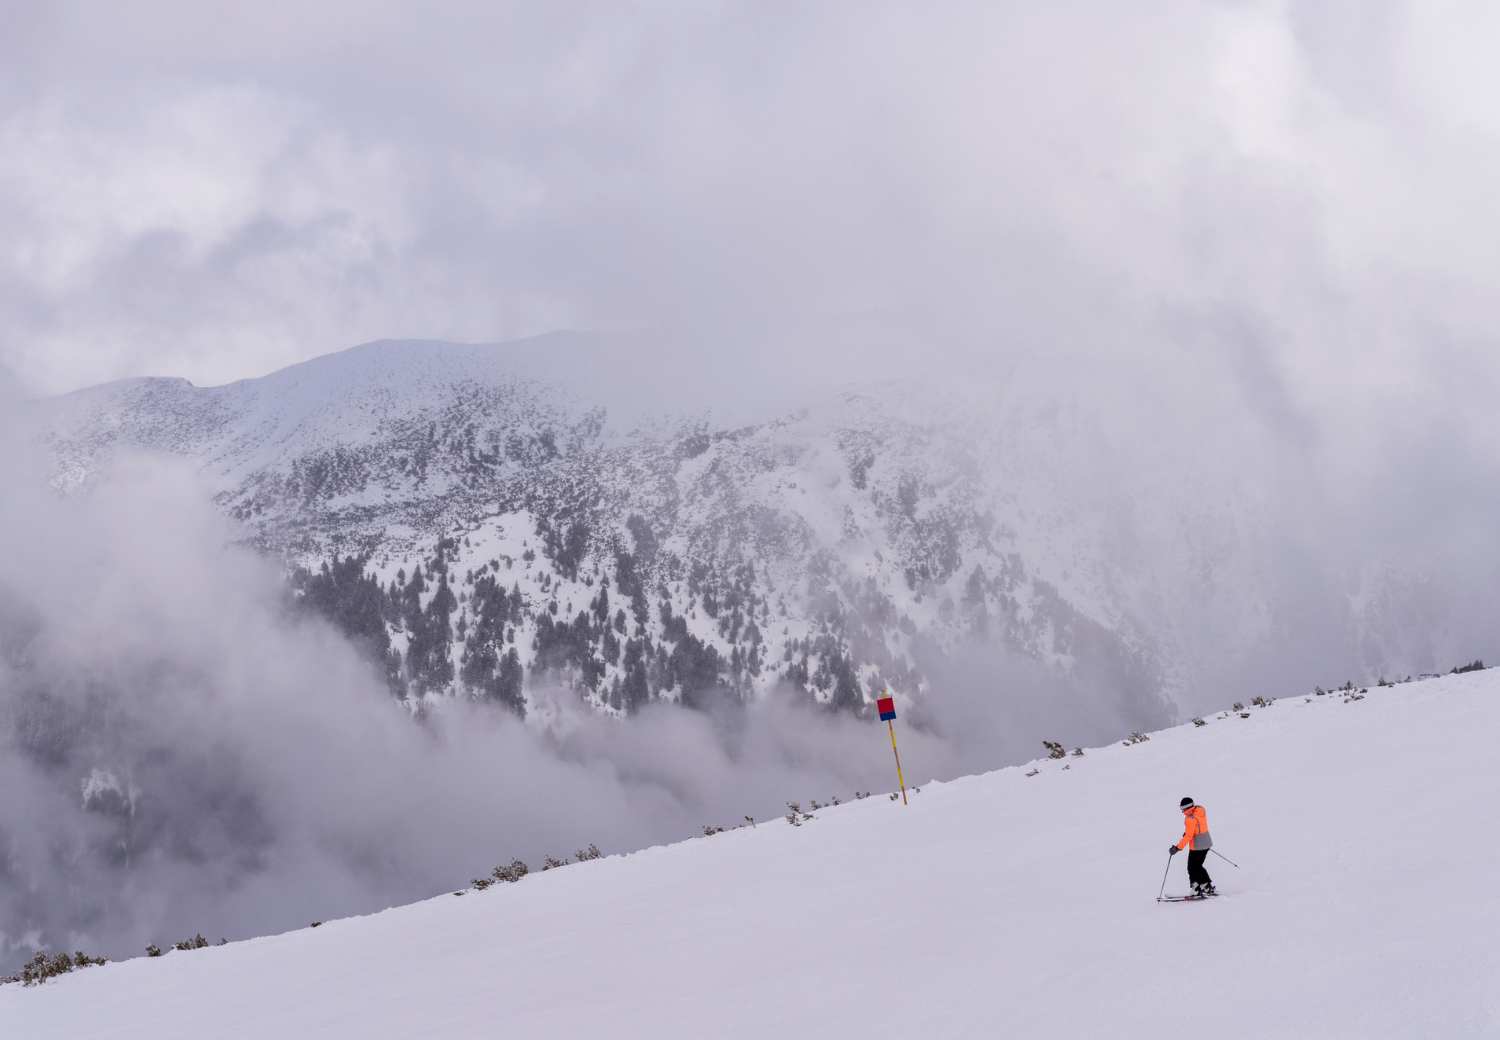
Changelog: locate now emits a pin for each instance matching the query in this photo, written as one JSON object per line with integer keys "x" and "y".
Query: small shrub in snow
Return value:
{"x": 1237, "y": 707}
{"x": 750, "y": 820}
{"x": 1034, "y": 771}
{"x": 197, "y": 942}
{"x": 796, "y": 817}
{"x": 511, "y": 874}
{"x": 1136, "y": 738}
{"x": 1199, "y": 722}
{"x": 709, "y": 830}
{"x": 479, "y": 884}
{"x": 42, "y": 967}
{"x": 1078, "y": 752}
{"x": 153, "y": 950}
{"x": 584, "y": 855}
{"x": 1263, "y": 702}
{"x": 1054, "y": 749}
{"x": 552, "y": 863}
{"x": 316, "y": 924}
{"x": 1472, "y": 666}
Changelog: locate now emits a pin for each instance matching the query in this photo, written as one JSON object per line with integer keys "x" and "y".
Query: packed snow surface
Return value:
{"x": 999, "y": 905}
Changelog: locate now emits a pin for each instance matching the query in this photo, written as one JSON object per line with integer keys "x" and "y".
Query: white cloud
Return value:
{"x": 217, "y": 193}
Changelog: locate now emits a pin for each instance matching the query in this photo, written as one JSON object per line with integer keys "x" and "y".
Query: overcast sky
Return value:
{"x": 215, "y": 192}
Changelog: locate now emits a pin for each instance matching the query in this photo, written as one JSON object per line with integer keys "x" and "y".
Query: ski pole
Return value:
{"x": 1164, "y": 874}
{"x": 1225, "y": 858}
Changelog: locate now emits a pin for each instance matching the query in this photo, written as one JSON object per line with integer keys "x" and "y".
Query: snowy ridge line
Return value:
{"x": 879, "y": 525}
{"x": 390, "y": 447}
{"x": 839, "y": 636}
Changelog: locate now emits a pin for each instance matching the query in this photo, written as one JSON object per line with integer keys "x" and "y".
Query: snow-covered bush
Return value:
{"x": 512, "y": 873}
{"x": 795, "y": 816}
{"x": 41, "y": 967}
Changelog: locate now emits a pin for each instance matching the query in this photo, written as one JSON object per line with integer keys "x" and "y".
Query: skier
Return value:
{"x": 1196, "y": 839}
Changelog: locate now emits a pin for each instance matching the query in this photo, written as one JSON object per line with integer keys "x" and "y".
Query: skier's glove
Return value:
{"x": 1173, "y": 850}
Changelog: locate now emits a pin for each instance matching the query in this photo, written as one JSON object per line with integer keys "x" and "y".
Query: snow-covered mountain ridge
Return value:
{"x": 569, "y": 512}
{"x": 991, "y": 904}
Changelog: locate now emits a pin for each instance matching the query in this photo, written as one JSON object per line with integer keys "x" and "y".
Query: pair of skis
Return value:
{"x": 1186, "y": 899}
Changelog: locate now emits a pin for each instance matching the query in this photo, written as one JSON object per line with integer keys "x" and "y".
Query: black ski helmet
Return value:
{"x": 1186, "y": 803}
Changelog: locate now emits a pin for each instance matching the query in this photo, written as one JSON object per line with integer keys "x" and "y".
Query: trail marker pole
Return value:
{"x": 887, "y": 706}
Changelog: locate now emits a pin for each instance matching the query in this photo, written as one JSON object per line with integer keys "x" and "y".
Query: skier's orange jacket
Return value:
{"x": 1195, "y": 832}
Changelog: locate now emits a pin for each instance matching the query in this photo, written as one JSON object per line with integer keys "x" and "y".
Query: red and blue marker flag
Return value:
{"x": 887, "y": 707}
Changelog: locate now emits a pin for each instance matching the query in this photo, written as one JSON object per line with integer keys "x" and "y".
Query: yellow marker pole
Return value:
{"x": 901, "y": 779}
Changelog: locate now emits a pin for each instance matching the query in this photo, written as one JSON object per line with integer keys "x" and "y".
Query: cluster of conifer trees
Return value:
{"x": 614, "y": 647}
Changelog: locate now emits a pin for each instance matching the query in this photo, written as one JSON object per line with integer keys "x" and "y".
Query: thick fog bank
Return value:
{"x": 181, "y": 753}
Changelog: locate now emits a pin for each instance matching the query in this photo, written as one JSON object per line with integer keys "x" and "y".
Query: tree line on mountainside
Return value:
{"x": 617, "y": 647}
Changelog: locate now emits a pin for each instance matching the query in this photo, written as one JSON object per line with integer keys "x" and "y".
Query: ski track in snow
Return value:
{"x": 994, "y": 905}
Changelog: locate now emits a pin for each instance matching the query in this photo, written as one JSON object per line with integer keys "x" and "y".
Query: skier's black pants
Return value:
{"x": 1196, "y": 874}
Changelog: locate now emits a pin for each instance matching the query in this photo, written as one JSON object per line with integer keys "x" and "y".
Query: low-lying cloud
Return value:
{"x": 181, "y": 753}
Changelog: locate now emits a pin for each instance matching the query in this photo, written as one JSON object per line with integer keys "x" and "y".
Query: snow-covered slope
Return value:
{"x": 1021, "y": 902}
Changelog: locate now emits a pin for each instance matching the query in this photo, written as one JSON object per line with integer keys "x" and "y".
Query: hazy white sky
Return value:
{"x": 214, "y": 192}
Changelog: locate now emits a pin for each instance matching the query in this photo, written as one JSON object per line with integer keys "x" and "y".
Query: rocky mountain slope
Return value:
{"x": 548, "y": 509}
